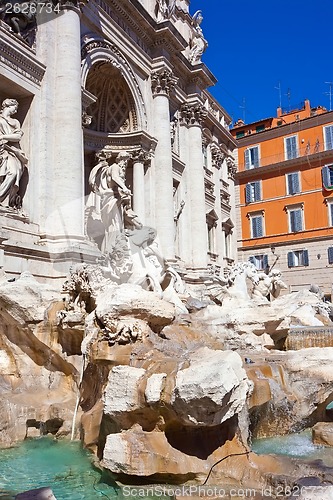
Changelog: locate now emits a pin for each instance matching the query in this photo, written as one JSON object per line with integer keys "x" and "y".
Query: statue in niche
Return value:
{"x": 198, "y": 44}
{"x": 108, "y": 182}
{"x": 12, "y": 159}
{"x": 164, "y": 9}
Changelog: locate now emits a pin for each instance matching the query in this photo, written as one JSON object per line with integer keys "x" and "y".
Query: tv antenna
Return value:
{"x": 288, "y": 94}
{"x": 243, "y": 107}
{"x": 280, "y": 95}
{"x": 330, "y": 93}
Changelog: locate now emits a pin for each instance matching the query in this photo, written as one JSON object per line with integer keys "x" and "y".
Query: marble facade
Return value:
{"x": 103, "y": 78}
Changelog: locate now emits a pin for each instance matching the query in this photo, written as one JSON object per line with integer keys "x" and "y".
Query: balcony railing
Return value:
{"x": 304, "y": 151}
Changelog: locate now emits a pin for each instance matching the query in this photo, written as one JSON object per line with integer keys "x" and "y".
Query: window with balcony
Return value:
{"x": 256, "y": 225}
{"x": 252, "y": 192}
{"x": 290, "y": 147}
{"x": 328, "y": 137}
{"x": 260, "y": 261}
{"x": 298, "y": 258}
{"x": 252, "y": 157}
{"x": 327, "y": 177}
{"x": 293, "y": 183}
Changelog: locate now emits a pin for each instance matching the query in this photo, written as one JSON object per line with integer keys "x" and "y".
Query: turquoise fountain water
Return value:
{"x": 61, "y": 465}
{"x": 294, "y": 445}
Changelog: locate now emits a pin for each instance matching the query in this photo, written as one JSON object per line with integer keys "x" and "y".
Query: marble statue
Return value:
{"x": 164, "y": 9}
{"x": 12, "y": 158}
{"x": 198, "y": 44}
{"x": 108, "y": 183}
{"x": 266, "y": 285}
{"x": 135, "y": 259}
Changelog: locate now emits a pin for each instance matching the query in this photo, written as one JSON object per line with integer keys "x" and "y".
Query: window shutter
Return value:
{"x": 265, "y": 261}
{"x": 257, "y": 227}
{"x": 248, "y": 193}
{"x": 291, "y": 147}
{"x": 305, "y": 257}
{"x": 330, "y": 255}
{"x": 291, "y": 260}
{"x": 296, "y": 221}
{"x": 257, "y": 191}
{"x": 293, "y": 181}
{"x": 247, "y": 159}
{"x": 326, "y": 177}
{"x": 292, "y": 221}
{"x": 255, "y": 156}
{"x": 329, "y": 137}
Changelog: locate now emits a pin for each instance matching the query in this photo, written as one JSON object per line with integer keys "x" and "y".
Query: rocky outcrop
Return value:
{"x": 254, "y": 324}
{"x": 322, "y": 433}
{"x": 202, "y": 396}
{"x": 291, "y": 390}
{"x": 37, "y": 381}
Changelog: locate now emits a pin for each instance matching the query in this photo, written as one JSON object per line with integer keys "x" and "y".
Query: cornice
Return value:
{"x": 286, "y": 164}
{"x": 95, "y": 141}
{"x": 286, "y": 129}
{"x": 18, "y": 57}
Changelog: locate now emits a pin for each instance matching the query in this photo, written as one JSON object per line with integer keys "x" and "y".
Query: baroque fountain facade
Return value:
{"x": 123, "y": 316}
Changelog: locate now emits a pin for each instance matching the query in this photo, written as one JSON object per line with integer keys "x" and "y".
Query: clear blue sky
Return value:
{"x": 257, "y": 45}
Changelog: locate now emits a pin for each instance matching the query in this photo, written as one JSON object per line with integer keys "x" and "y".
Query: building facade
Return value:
{"x": 98, "y": 79}
{"x": 284, "y": 195}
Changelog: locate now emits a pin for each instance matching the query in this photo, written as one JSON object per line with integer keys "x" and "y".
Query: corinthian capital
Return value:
{"x": 192, "y": 114}
{"x": 163, "y": 82}
{"x": 139, "y": 155}
{"x": 217, "y": 156}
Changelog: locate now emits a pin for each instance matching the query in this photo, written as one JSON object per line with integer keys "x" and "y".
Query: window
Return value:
{"x": 293, "y": 184}
{"x": 252, "y": 191}
{"x": 260, "y": 261}
{"x": 240, "y": 134}
{"x": 257, "y": 226}
{"x": 260, "y": 128}
{"x": 252, "y": 157}
{"x": 330, "y": 255}
{"x": 295, "y": 219}
{"x": 327, "y": 177}
{"x": 330, "y": 212}
{"x": 328, "y": 137}
{"x": 290, "y": 147}
{"x": 298, "y": 258}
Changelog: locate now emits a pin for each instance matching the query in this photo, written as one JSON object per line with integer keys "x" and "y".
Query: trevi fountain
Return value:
{"x": 136, "y": 374}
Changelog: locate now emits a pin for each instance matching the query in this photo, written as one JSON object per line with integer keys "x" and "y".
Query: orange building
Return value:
{"x": 284, "y": 195}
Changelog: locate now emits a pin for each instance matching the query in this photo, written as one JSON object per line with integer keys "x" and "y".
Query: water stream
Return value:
{"x": 61, "y": 465}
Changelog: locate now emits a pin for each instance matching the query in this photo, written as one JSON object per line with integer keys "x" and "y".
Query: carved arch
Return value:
{"x": 97, "y": 51}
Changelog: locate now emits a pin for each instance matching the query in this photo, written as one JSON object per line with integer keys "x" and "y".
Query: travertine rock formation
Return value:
{"x": 322, "y": 433}
{"x": 37, "y": 380}
{"x": 291, "y": 390}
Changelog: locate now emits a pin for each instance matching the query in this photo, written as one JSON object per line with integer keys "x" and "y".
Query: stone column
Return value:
{"x": 193, "y": 114}
{"x": 67, "y": 217}
{"x": 139, "y": 159}
{"x": 162, "y": 83}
